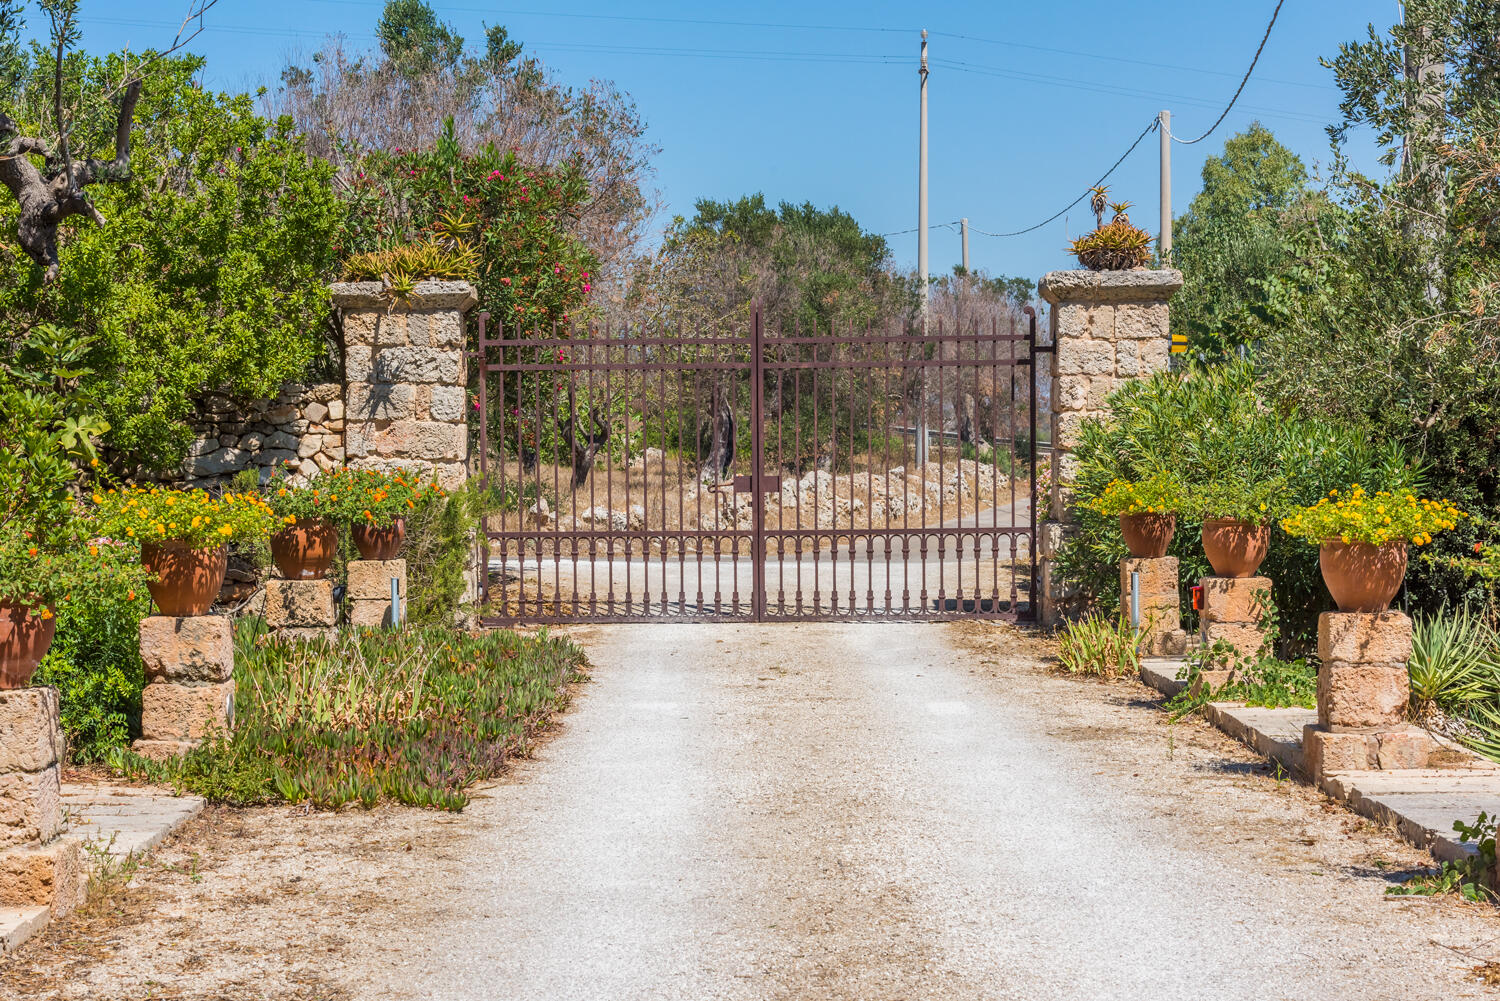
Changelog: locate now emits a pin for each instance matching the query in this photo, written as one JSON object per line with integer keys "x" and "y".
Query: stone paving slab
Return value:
{"x": 1421, "y": 803}
{"x": 118, "y": 821}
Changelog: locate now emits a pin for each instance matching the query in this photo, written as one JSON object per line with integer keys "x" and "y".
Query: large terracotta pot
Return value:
{"x": 25, "y": 636}
{"x": 1235, "y": 548}
{"x": 1362, "y": 577}
{"x": 378, "y": 543}
{"x": 1148, "y": 535}
{"x": 304, "y": 550}
{"x": 187, "y": 579}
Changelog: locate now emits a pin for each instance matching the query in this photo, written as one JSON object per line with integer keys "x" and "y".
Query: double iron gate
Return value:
{"x": 649, "y": 474}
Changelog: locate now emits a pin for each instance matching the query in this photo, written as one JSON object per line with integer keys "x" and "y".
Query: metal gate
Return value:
{"x": 646, "y": 473}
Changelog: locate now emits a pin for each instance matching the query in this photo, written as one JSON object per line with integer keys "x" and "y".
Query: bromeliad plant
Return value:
{"x": 194, "y": 518}
{"x": 1353, "y": 515}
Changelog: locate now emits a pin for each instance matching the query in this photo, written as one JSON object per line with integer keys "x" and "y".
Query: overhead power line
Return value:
{"x": 1246, "y": 79}
{"x": 1102, "y": 178}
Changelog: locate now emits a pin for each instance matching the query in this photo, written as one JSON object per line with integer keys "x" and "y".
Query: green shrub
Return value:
{"x": 412, "y": 716}
{"x": 440, "y": 545}
{"x": 1453, "y": 662}
{"x": 1100, "y": 646}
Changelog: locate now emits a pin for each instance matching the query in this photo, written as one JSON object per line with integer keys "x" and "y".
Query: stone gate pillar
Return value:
{"x": 405, "y": 378}
{"x": 1107, "y": 327}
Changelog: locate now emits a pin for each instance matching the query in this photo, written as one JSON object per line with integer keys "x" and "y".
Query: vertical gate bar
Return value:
{"x": 995, "y": 371}
{"x": 885, "y": 434}
{"x": 682, "y": 604}
{"x": 1031, "y": 395}
{"x": 1014, "y": 521}
{"x": 698, "y": 492}
{"x": 757, "y": 470}
{"x": 572, "y": 542}
{"x": 778, "y": 466}
{"x": 797, "y": 472}
{"x": 848, "y": 347}
{"x": 870, "y": 377}
{"x": 666, "y": 601}
{"x": 484, "y": 467}
{"x": 833, "y": 465}
{"x": 817, "y": 448}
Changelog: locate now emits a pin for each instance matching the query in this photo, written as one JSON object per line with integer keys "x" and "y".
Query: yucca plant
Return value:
{"x": 1117, "y": 246}
{"x": 1453, "y": 663}
{"x": 1102, "y": 646}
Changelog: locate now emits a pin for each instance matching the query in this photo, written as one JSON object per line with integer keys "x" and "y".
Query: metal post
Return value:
{"x": 922, "y": 272}
{"x": 395, "y": 601}
{"x": 964, "y": 227}
{"x": 1164, "y": 241}
{"x": 1135, "y": 599}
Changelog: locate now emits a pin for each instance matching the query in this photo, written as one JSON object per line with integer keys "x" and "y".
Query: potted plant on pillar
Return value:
{"x": 1147, "y": 509}
{"x": 183, "y": 535}
{"x": 31, "y": 579}
{"x": 1363, "y": 540}
{"x": 306, "y": 537}
{"x": 1237, "y": 517}
{"x": 375, "y": 504}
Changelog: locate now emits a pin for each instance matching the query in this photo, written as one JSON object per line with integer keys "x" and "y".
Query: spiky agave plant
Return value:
{"x": 1118, "y": 208}
{"x": 1098, "y": 202}
{"x": 1118, "y": 246}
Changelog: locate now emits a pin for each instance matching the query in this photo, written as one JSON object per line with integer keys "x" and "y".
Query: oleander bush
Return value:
{"x": 412, "y": 716}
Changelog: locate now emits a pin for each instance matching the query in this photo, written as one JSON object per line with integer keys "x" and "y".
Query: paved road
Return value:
{"x": 878, "y": 812}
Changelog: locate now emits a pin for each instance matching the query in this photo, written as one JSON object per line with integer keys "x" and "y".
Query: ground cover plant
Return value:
{"x": 412, "y": 716}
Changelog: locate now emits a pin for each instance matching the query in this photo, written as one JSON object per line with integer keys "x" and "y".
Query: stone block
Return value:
{"x": 315, "y": 412}
{"x": 446, "y": 329}
{"x": 359, "y": 363}
{"x": 383, "y": 401}
{"x": 162, "y": 750}
{"x": 1364, "y": 637}
{"x": 1357, "y": 696}
{"x": 51, "y": 876}
{"x": 292, "y": 603}
{"x": 187, "y": 649}
{"x": 1209, "y": 682}
{"x": 1234, "y": 599}
{"x": 1158, "y": 576}
{"x": 447, "y": 403}
{"x": 373, "y": 614}
{"x": 1081, "y": 357}
{"x": 408, "y": 364}
{"x": 370, "y": 580}
{"x": 1408, "y": 747}
{"x": 1168, "y": 643}
{"x": 1074, "y": 322}
{"x": 1142, "y": 321}
{"x": 30, "y": 807}
{"x": 30, "y": 737}
{"x": 1070, "y": 392}
{"x": 1324, "y": 752}
{"x": 1245, "y": 637}
{"x": 186, "y": 712}
{"x": 308, "y": 634}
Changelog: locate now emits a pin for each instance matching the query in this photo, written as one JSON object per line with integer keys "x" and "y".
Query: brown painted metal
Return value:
{"x": 808, "y": 515}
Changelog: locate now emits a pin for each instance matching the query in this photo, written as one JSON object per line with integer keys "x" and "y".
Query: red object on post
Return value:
{"x": 1197, "y": 592}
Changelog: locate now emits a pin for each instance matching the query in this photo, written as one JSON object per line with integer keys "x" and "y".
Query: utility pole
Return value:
{"x": 922, "y": 249}
{"x": 1164, "y": 241}
{"x": 1422, "y": 65}
{"x": 964, "y": 226}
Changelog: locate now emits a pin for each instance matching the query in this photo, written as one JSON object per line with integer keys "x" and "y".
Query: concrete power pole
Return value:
{"x": 964, "y": 226}
{"x": 922, "y": 272}
{"x": 1164, "y": 241}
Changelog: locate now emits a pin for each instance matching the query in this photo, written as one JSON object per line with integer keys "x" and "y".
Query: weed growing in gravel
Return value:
{"x": 1469, "y": 877}
{"x": 412, "y": 716}
{"x": 1101, "y": 646}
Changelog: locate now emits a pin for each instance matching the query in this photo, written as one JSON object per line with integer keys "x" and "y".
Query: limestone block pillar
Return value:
{"x": 1233, "y": 611}
{"x": 1107, "y": 328}
{"x": 1161, "y": 633}
{"x": 38, "y": 869}
{"x": 1363, "y": 689}
{"x": 301, "y": 609}
{"x": 405, "y": 377}
{"x": 189, "y": 691}
{"x": 370, "y": 591}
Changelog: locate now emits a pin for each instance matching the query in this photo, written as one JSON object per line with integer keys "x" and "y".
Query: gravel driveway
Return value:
{"x": 902, "y": 811}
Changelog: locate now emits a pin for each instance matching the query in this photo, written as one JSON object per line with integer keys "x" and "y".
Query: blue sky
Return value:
{"x": 1029, "y": 102}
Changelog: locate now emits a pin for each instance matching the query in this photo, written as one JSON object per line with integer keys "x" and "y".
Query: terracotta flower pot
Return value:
{"x": 25, "y": 637}
{"x": 305, "y": 549}
{"x": 1235, "y": 548}
{"x": 1148, "y": 535}
{"x": 187, "y": 579}
{"x": 378, "y": 543}
{"x": 1362, "y": 577}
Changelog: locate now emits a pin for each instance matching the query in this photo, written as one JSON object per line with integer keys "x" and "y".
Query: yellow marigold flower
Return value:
{"x": 226, "y": 530}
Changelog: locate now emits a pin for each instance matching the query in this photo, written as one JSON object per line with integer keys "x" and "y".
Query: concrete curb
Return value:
{"x": 1422, "y": 803}
{"x": 118, "y": 822}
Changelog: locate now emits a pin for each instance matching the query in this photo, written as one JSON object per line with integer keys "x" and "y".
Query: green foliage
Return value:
{"x": 414, "y": 39}
{"x": 413, "y": 716}
{"x": 1455, "y": 662}
{"x": 1469, "y": 877}
{"x": 210, "y": 270}
{"x": 513, "y": 220}
{"x": 403, "y": 265}
{"x": 440, "y": 544}
{"x": 1100, "y": 646}
{"x": 95, "y": 660}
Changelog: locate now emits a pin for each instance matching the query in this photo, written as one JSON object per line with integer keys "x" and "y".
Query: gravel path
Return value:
{"x": 874, "y": 812}
{"x": 906, "y": 812}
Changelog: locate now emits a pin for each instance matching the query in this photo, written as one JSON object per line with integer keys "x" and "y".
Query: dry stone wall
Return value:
{"x": 303, "y": 425}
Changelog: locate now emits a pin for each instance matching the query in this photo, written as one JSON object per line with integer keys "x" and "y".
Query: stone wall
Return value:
{"x": 1107, "y": 327}
{"x": 304, "y": 424}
